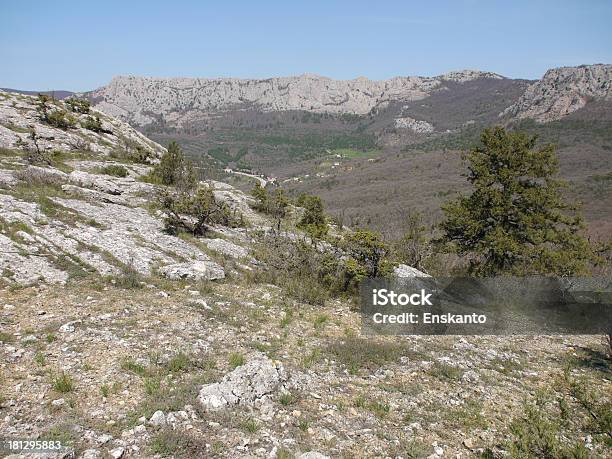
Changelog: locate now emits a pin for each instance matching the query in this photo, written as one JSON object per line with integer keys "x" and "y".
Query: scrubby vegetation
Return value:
{"x": 313, "y": 220}
{"x": 189, "y": 206}
{"x": 115, "y": 170}
{"x": 54, "y": 116}
{"x": 274, "y": 204}
{"x": 174, "y": 169}
{"x": 77, "y": 105}
{"x": 93, "y": 123}
{"x": 194, "y": 209}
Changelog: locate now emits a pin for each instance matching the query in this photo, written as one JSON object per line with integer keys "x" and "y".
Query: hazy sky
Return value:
{"x": 81, "y": 45}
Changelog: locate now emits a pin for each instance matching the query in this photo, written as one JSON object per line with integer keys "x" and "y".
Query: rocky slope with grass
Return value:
{"x": 20, "y": 116}
{"x": 123, "y": 341}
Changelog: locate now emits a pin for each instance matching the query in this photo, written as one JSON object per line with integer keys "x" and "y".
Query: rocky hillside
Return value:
{"x": 179, "y": 102}
{"x": 120, "y": 340}
{"x": 75, "y": 216}
{"x": 143, "y": 100}
{"x": 20, "y": 116}
{"x": 562, "y": 91}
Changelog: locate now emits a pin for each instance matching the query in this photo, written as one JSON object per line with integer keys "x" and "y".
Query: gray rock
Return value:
{"x": 142, "y": 100}
{"x": 158, "y": 419}
{"x": 69, "y": 327}
{"x": 226, "y": 248}
{"x": 91, "y": 454}
{"x": 312, "y": 455}
{"x": 407, "y": 272}
{"x": 18, "y": 115}
{"x": 418, "y": 126}
{"x": 194, "y": 270}
{"x": 246, "y": 385}
{"x": 96, "y": 182}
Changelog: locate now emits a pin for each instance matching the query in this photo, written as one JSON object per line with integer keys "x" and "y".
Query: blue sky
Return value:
{"x": 82, "y": 45}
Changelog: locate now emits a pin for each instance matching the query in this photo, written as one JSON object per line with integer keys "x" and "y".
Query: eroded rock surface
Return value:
{"x": 562, "y": 91}
{"x": 19, "y": 116}
{"x": 248, "y": 384}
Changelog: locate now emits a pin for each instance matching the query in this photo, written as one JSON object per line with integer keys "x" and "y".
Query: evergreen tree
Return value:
{"x": 366, "y": 255}
{"x": 261, "y": 196}
{"x": 515, "y": 220}
{"x": 175, "y": 169}
{"x": 313, "y": 220}
{"x": 278, "y": 206}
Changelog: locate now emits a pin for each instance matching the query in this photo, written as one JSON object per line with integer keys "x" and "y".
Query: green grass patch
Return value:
{"x": 63, "y": 383}
{"x": 236, "y": 360}
{"x": 114, "y": 170}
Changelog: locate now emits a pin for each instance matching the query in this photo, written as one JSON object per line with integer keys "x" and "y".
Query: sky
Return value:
{"x": 81, "y": 45}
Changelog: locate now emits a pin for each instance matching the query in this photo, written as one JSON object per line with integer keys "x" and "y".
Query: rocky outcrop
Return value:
{"x": 196, "y": 270}
{"x": 562, "y": 91}
{"x": 418, "y": 126}
{"x": 248, "y": 384}
{"x": 19, "y": 116}
{"x": 408, "y": 272}
{"x": 142, "y": 100}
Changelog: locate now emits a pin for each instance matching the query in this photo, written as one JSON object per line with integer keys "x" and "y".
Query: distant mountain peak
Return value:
{"x": 562, "y": 91}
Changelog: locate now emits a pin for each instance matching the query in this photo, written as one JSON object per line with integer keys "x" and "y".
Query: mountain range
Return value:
{"x": 179, "y": 101}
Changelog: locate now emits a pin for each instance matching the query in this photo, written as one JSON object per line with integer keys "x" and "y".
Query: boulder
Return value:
{"x": 96, "y": 182}
{"x": 226, "y": 248}
{"x": 246, "y": 385}
{"x": 407, "y": 272}
{"x": 194, "y": 270}
{"x": 312, "y": 455}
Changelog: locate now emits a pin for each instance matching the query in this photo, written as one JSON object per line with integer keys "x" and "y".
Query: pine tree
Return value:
{"x": 174, "y": 168}
{"x": 515, "y": 221}
{"x": 261, "y": 196}
{"x": 313, "y": 220}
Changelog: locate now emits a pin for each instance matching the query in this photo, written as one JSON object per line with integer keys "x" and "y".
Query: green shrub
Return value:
{"x": 251, "y": 425}
{"x": 60, "y": 119}
{"x": 78, "y": 105}
{"x": 93, "y": 124}
{"x": 115, "y": 170}
{"x": 274, "y": 204}
{"x": 174, "y": 169}
{"x": 515, "y": 221}
{"x": 194, "y": 210}
{"x": 63, "y": 383}
{"x": 55, "y": 117}
{"x": 313, "y": 220}
{"x": 367, "y": 255}
{"x": 236, "y": 360}
{"x": 129, "y": 278}
{"x": 303, "y": 272}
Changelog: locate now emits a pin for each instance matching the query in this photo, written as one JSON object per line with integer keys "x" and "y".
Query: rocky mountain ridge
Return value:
{"x": 562, "y": 91}
{"x": 178, "y": 101}
{"x": 141, "y": 100}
